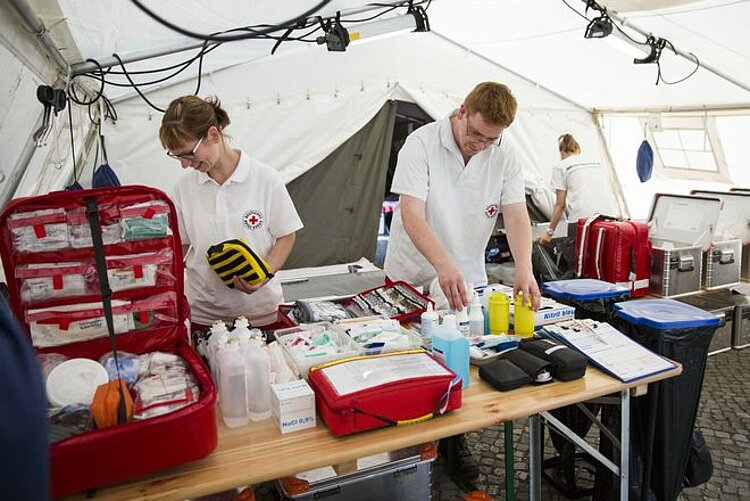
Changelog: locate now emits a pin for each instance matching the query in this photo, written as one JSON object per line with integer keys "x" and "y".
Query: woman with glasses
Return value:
{"x": 226, "y": 194}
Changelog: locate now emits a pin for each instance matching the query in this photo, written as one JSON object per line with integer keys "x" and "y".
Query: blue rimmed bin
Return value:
{"x": 682, "y": 333}
{"x": 591, "y": 298}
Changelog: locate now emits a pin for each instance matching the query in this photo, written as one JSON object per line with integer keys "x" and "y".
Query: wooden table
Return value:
{"x": 258, "y": 452}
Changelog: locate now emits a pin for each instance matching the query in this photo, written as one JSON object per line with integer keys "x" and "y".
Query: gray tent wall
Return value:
{"x": 340, "y": 199}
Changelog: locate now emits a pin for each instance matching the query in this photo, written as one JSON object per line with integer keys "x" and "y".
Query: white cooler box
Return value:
{"x": 680, "y": 227}
{"x": 403, "y": 474}
{"x": 728, "y": 261}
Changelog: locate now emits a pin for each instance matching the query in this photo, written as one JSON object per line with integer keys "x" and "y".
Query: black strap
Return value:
{"x": 92, "y": 212}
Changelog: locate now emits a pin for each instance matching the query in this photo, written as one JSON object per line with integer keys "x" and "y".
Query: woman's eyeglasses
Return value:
{"x": 187, "y": 156}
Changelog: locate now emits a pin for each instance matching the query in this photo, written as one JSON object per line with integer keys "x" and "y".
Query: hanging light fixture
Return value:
{"x": 337, "y": 38}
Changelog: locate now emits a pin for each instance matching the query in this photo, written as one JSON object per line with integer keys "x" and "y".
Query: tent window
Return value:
{"x": 687, "y": 147}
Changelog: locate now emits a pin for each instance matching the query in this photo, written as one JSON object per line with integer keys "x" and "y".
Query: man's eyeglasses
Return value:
{"x": 478, "y": 138}
{"x": 187, "y": 156}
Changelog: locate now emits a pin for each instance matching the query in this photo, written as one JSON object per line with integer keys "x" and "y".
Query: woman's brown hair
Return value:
{"x": 188, "y": 118}
{"x": 568, "y": 144}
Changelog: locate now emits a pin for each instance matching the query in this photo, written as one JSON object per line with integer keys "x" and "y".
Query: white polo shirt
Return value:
{"x": 252, "y": 204}
{"x": 587, "y": 186}
{"x": 461, "y": 201}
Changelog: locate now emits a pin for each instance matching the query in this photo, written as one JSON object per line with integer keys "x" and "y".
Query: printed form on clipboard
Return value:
{"x": 609, "y": 349}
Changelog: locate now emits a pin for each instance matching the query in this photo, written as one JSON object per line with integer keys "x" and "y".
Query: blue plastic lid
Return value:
{"x": 665, "y": 314}
{"x": 583, "y": 289}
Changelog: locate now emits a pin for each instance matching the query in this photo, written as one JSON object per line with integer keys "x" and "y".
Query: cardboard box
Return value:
{"x": 293, "y": 406}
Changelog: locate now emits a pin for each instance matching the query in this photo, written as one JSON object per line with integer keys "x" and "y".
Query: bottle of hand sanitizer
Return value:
{"x": 452, "y": 348}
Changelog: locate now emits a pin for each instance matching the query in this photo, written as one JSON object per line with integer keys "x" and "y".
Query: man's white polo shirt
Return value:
{"x": 461, "y": 201}
{"x": 252, "y": 204}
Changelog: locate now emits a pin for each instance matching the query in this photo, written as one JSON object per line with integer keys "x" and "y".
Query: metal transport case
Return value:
{"x": 717, "y": 303}
{"x": 402, "y": 474}
{"x": 728, "y": 260}
{"x": 680, "y": 227}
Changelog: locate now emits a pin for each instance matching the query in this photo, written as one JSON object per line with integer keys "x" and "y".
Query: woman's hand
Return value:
{"x": 242, "y": 285}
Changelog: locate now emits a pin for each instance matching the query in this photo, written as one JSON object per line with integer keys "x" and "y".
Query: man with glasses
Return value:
{"x": 454, "y": 177}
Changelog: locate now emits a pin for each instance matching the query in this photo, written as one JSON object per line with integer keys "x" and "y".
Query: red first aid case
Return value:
{"x": 615, "y": 251}
{"x": 50, "y": 268}
{"x": 394, "y": 389}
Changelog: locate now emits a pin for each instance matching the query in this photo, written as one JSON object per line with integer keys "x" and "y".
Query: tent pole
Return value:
{"x": 685, "y": 55}
{"x": 614, "y": 179}
{"x": 497, "y": 65}
{"x": 41, "y": 32}
{"x": 84, "y": 67}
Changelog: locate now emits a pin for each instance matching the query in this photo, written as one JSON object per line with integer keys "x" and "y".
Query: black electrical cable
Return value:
{"x": 660, "y": 78}
{"x": 171, "y": 67}
{"x": 122, "y": 65}
{"x": 200, "y": 67}
{"x": 574, "y": 10}
{"x": 216, "y": 38}
{"x": 72, "y": 142}
{"x": 71, "y": 89}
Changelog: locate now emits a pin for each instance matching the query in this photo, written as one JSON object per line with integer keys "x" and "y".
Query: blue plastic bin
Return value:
{"x": 591, "y": 298}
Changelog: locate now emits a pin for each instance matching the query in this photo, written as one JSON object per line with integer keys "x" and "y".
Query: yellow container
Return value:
{"x": 499, "y": 312}
{"x": 523, "y": 317}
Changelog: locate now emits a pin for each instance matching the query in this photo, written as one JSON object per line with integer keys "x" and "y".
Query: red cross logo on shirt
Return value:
{"x": 491, "y": 211}
{"x": 252, "y": 219}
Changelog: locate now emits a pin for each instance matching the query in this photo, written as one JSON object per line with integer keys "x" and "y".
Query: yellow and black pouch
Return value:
{"x": 235, "y": 258}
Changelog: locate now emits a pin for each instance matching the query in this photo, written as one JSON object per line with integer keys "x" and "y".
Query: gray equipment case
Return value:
{"x": 735, "y": 333}
{"x": 680, "y": 228}
{"x": 402, "y": 474}
{"x": 728, "y": 260}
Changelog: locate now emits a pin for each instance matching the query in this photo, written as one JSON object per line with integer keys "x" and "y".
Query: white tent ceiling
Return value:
{"x": 539, "y": 39}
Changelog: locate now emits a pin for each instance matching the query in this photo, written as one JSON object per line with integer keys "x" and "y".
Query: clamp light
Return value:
{"x": 337, "y": 38}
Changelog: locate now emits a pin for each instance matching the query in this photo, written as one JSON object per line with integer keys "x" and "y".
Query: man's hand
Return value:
{"x": 526, "y": 285}
{"x": 241, "y": 285}
{"x": 545, "y": 238}
{"x": 452, "y": 282}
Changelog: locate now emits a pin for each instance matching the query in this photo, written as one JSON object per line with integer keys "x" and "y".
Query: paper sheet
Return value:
{"x": 359, "y": 375}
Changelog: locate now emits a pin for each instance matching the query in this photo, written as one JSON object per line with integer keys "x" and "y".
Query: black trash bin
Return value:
{"x": 682, "y": 333}
{"x": 572, "y": 472}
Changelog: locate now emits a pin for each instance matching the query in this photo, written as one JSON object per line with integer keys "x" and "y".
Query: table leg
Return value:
{"x": 510, "y": 485}
{"x": 535, "y": 459}
{"x": 624, "y": 444}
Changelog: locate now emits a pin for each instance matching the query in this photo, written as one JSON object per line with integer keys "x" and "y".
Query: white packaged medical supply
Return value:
{"x": 65, "y": 324}
{"x": 79, "y": 227}
{"x": 39, "y": 231}
{"x": 39, "y": 282}
{"x": 293, "y": 406}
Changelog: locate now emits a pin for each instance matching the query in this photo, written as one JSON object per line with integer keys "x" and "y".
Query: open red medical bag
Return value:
{"x": 51, "y": 270}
